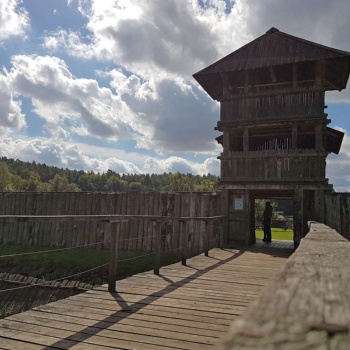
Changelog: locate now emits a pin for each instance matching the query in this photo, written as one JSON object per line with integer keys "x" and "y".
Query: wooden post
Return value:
{"x": 184, "y": 233}
{"x": 222, "y": 225}
{"x": 112, "y": 276}
{"x": 157, "y": 245}
{"x": 206, "y": 238}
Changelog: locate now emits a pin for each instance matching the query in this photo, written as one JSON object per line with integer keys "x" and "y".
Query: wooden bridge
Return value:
{"x": 184, "y": 307}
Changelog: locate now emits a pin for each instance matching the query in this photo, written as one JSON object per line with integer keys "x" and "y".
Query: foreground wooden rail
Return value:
{"x": 308, "y": 305}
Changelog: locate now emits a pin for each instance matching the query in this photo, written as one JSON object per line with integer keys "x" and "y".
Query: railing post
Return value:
{"x": 184, "y": 234}
{"x": 157, "y": 227}
{"x": 221, "y": 231}
{"x": 206, "y": 238}
{"x": 112, "y": 276}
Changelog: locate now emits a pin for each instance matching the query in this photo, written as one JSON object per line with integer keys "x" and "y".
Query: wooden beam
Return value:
{"x": 309, "y": 297}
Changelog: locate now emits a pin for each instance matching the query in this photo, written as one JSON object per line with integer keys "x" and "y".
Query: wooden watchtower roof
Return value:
{"x": 279, "y": 51}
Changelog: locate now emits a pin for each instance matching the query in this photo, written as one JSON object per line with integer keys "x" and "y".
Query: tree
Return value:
{"x": 115, "y": 184}
{"x": 179, "y": 182}
{"x": 31, "y": 181}
{"x": 5, "y": 178}
{"x": 205, "y": 185}
{"x": 135, "y": 186}
{"x": 61, "y": 184}
{"x": 260, "y": 207}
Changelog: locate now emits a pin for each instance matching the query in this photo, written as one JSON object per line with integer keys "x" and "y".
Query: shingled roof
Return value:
{"x": 274, "y": 48}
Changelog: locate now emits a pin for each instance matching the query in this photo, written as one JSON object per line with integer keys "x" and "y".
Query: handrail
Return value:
{"x": 307, "y": 306}
{"x": 115, "y": 220}
{"x": 45, "y": 218}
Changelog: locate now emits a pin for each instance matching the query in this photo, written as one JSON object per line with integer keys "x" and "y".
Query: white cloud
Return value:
{"x": 157, "y": 38}
{"x": 338, "y": 166}
{"x": 68, "y": 105}
{"x": 178, "y": 164}
{"x": 14, "y": 19}
{"x": 171, "y": 116}
{"x": 11, "y": 116}
{"x": 321, "y": 21}
{"x": 83, "y": 157}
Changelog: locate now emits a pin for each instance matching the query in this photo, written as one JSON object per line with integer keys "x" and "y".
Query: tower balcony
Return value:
{"x": 274, "y": 166}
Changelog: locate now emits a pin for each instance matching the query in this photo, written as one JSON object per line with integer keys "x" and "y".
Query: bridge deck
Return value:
{"x": 185, "y": 307}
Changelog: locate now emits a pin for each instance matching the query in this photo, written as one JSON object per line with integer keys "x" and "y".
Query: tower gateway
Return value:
{"x": 275, "y": 136}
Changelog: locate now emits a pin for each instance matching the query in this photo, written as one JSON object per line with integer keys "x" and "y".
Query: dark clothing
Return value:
{"x": 267, "y": 218}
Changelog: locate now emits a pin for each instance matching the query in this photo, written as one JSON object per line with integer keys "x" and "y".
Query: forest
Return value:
{"x": 19, "y": 176}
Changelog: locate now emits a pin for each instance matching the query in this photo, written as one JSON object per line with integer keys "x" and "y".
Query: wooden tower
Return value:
{"x": 274, "y": 129}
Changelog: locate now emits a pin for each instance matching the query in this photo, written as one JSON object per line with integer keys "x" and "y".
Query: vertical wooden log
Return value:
{"x": 206, "y": 238}
{"x": 157, "y": 245}
{"x": 112, "y": 276}
{"x": 222, "y": 225}
{"x": 176, "y": 225}
{"x": 205, "y": 212}
{"x": 184, "y": 237}
{"x": 88, "y": 226}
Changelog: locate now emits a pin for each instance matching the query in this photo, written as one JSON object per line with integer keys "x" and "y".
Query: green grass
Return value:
{"x": 55, "y": 265}
{"x": 277, "y": 233}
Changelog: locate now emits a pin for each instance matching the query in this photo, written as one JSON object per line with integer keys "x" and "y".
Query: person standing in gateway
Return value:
{"x": 267, "y": 218}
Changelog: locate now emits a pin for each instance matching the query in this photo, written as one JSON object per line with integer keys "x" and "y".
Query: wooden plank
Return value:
{"x": 186, "y": 307}
{"x": 307, "y": 306}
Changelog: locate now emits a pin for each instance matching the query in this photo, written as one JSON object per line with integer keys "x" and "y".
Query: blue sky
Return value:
{"x": 98, "y": 85}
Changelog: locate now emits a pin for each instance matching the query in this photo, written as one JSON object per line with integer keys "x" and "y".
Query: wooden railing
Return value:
{"x": 307, "y": 306}
{"x": 210, "y": 238}
{"x": 278, "y": 166}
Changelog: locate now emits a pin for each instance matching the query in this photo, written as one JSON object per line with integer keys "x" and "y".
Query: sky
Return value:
{"x": 96, "y": 85}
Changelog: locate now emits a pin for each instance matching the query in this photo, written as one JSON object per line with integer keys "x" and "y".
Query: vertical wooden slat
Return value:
{"x": 176, "y": 225}
{"x": 88, "y": 225}
{"x": 151, "y": 205}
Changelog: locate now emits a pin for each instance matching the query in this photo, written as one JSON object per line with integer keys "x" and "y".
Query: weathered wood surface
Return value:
{"x": 337, "y": 210}
{"x": 307, "y": 306}
{"x": 75, "y": 219}
{"x": 184, "y": 307}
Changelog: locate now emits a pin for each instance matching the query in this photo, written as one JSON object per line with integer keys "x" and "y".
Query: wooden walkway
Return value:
{"x": 185, "y": 307}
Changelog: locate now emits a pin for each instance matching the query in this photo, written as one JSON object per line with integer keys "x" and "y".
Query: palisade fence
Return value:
{"x": 337, "y": 210}
{"x": 135, "y": 235}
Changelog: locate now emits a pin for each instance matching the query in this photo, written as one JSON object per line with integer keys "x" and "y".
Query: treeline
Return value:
{"x": 16, "y": 175}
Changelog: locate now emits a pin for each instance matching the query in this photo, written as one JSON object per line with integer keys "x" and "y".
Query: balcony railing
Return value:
{"x": 305, "y": 165}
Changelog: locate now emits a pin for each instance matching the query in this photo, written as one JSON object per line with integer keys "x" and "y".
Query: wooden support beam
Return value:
{"x": 184, "y": 240}
{"x": 157, "y": 232}
{"x": 112, "y": 275}
{"x": 206, "y": 238}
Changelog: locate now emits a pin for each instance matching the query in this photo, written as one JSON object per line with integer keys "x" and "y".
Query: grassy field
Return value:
{"x": 277, "y": 233}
